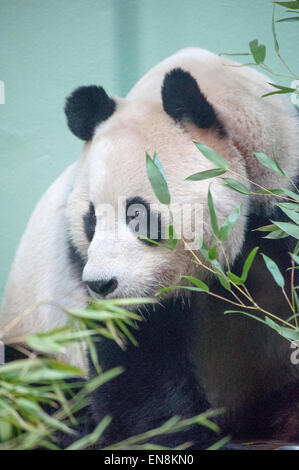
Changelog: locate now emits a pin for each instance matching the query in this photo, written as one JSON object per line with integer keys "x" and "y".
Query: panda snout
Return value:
{"x": 102, "y": 287}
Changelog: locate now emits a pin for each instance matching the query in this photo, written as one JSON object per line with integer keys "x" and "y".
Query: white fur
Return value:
{"x": 113, "y": 165}
{"x": 42, "y": 282}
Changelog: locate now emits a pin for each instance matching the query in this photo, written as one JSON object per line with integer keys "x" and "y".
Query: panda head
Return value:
{"x": 112, "y": 197}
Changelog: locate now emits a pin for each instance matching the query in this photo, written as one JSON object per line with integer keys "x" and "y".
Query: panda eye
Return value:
{"x": 135, "y": 211}
{"x": 142, "y": 222}
{"x": 135, "y": 214}
{"x": 89, "y": 222}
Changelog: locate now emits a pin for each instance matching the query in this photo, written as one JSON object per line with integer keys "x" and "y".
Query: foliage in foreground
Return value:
{"x": 32, "y": 386}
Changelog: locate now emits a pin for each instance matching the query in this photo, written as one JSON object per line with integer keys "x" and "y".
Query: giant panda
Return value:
{"x": 191, "y": 356}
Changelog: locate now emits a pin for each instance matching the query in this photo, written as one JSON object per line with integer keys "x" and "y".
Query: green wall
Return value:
{"x": 49, "y": 47}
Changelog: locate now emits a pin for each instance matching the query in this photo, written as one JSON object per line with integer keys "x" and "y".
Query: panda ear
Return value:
{"x": 85, "y": 108}
{"x": 183, "y": 100}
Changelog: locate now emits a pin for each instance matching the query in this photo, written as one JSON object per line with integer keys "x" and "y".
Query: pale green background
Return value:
{"x": 49, "y": 47}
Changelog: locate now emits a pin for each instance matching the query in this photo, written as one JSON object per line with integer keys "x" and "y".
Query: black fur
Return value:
{"x": 87, "y": 107}
{"x": 158, "y": 381}
{"x": 76, "y": 259}
{"x": 89, "y": 221}
{"x": 12, "y": 354}
{"x": 182, "y": 99}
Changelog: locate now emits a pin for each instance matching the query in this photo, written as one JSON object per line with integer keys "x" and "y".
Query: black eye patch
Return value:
{"x": 142, "y": 221}
{"x": 89, "y": 222}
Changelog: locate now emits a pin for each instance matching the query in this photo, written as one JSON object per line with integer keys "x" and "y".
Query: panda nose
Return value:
{"x": 103, "y": 287}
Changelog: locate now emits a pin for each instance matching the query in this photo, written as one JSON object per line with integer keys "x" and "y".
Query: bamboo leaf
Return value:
{"x": 230, "y": 223}
{"x": 213, "y": 252}
{"x": 291, "y": 19}
{"x": 293, "y": 215}
{"x": 172, "y": 241}
{"x": 269, "y": 163}
{"x": 213, "y": 217}
{"x": 224, "y": 281}
{"x": 277, "y": 235}
{"x": 248, "y": 263}
{"x": 282, "y": 88}
{"x": 267, "y": 228}
{"x": 288, "y": 227}
{"x": 157, "y": 179}
{"x": 258, "y": 51}
{"x": 293, "y": 5}
{"x": 198, "y": 283}
{"x": 234, "y": 278}
{"x": 274, "y": 270}
{"x": 204, "y": 175}
{"x": 212, "y": 156}
{"x": 236, "y": 186}
{"x": 295, "y": 258}
{"x": 170, "y": 288}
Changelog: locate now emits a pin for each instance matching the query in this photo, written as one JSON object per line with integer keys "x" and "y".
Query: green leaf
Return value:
{"x": 224, "y": 281}
{"x": 212, "y": 156}
{"x": 157, "y": 179}
{"x": 297, "y": 304}
{"x": 280, "y": 192}
{"x": 222, "y": 277}
{"x": 230, "y": 223}
{"x": 171, "y": 237}
{"x": 234, "y": 278}
{"x": 296, "y": 315}
{"x": 234, "y": 53}
{"x": 204, "y": 251}
{"x": 269, "y": 163}
{"x": 294, "y": 5}
{"x": 267, "y": 228}
{"x": 289, "y": 333}
{"x": 167, "y": 289}
{"x": 288, "y": 227}
{"x": 274, "y": 270}
{"x": 258, "y": 51}
{"x": 219, "y": 444}
{"x": 293, "y": 215}
{"x": 291, "y": 19}
{"x": 236, "y": 186}
{"x": 248, "y": 263}
{"x": 205, "y": 175}
{"x": 246, "y": 314}
{"x": 291, "y": 206}
{"x": 163, "y": 245}
{"x": 277, "y": 235}
{"x": 276, "y": 45}
{"x": 295, "y": 258}
{"x": 198, "y": 283}
{"x": 54, "y": 341}
{"x": 172, "y": 241}
{"x": 213, "y": 217}
{"x": 92, "y": 438}
{"x": 213, "y": 252}
{"x": 159, "y": 165}
{"x": 282, "y": 88}
{"x": 280, "y": 92}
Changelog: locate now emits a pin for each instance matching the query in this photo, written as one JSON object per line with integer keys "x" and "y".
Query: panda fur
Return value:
{"x": 190, "y": 356}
